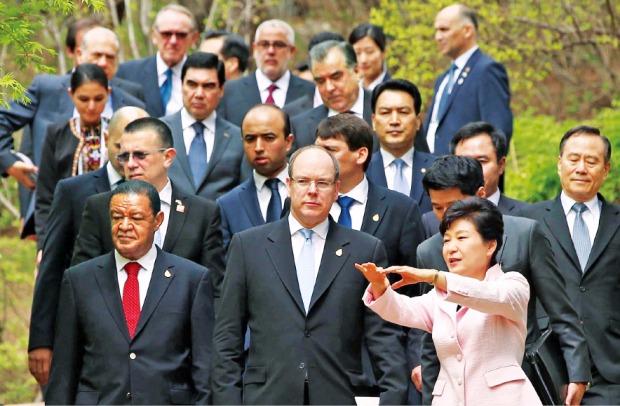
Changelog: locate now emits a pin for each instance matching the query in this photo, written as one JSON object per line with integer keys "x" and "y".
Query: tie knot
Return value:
{"x": 579, "y": 207}
{"x": 273, "y": 184}
{"x": 272, "y": 87}
{"x": 169, "y": 74}
{"x": 453, "y": 68}
{"x": 132, "y": 268}
{"x": 307, "y": 233}
{"x": 399, "y": 163}
{"x": 345, "y": 201}
{"x": 198, "y": 127}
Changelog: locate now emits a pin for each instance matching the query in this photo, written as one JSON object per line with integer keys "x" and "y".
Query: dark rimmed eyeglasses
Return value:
{"x": 304, "y": 183}
{"x": 168, "y": 34}
{"x": 137, "y": 155}
{"x": 265, "y": 45}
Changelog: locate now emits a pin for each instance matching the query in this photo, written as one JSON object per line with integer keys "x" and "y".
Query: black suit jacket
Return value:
{"x": 593, "y": 293}
{"x": 526, "y": 250}
{"x": 261, "y": 291}
{"x": 242, "y": 94}
{"x": 304, "y": 125}
{"x": 193, "y": 232}
{"x": 168, "y": 361}
{"x": 144, "y": 73}
{"x": 59, "y": 238}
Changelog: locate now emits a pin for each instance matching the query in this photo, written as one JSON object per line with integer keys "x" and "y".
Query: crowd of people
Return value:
{"x": 209, "y": 235}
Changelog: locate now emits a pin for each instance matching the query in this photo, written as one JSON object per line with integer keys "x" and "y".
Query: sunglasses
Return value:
{"x": 138, "y": 155}
{"x": 169, "y": 34}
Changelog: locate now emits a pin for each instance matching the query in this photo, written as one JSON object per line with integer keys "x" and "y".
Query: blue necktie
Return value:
{"x": 165, "y": 90}
{"x": 445, "y": 95}
{"x": 581, "y": 235}
{"x": 274, "y": 209}
{"x": 345, "y": 216}
{"x": 400, "y": 183}
{"x": 305, "y": 268}
{"x": 198, "y": 154}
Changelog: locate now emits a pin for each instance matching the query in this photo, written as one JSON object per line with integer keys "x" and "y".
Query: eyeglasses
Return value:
{"x": 168, "y": 34}
{"x": 137, "y": 155}
{"x": 319, "y": 184}
{"x": 277, "y": 45}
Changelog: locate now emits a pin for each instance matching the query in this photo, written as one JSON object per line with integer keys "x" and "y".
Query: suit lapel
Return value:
{"x": 107, "y": 280}
{"x": 220, "y": 144}
{"x": 280, "y": 252}
{"x": 101, "y": 182}
{"x": 177, "y": 135}
{"x": 458, "y": 82}
{"x": 376, "y": 170}
{"x": 249, "y": 201}
{"x": 367, "y": 107}
{"x": 177, "y": 218}
{"x": 419, "y": 169}
{"x": 295, "y": 90}
{"x": 608, "y": 226}
{"x": 556, "y": 222}
{"x": 162, "y": 276}
{"x": 376, "y": 206}
{"x": 151, "y": 86}
{"x": 252, "y": 93}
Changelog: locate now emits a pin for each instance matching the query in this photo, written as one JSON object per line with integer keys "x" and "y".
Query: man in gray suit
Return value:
{"x": 526, "y": 250}
{"x": 584, "y": 230}
{"x": 293, "y": 283}
{"x": 209, "y": 149}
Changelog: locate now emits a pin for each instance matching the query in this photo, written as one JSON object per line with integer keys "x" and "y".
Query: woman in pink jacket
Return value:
{"x": 476, "y": 313}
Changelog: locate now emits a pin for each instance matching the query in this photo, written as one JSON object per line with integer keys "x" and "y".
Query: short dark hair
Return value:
{"x": 235, "y": 47}
{"x": 209, "y": 34}
{"x": 283, "y": 113}
{"x": 152, "y": 124}
{"x": 453, "y": 171}
{"x": 204, "y": 60}
{"x": 312, "y": 146}
{"x": 483, "y": 214}
{"x": 87, "y": 73}
{"x": 322, "y": 37}
{"x": 476, "y": 128}
{"x": 141, "y": 188}
{"x": 401, "y": 85}
{"x": 587, "y": 130}
{"x": 76, "y": 26}
{"x": 374, "y": 32}
{"x": 469, "y": 14}
{"x": 352, "y": 129}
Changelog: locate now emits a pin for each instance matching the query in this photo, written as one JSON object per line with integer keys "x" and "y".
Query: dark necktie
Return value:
{"x": 198, "y": 154}
{"x": 345, "y": 216}
{"x": 165, "y": 90}
{"x": 274, "y": 209}
{"x": 581, "y": 235}
{"x": 271, "y": 88}
{"x": 445, "y": 95}
{"x": 131, "y": 297}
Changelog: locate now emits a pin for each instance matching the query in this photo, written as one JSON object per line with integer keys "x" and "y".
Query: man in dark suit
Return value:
{"x": 209, "y": 158}
{"x": 267, "y": 138}
{"x": 174, "y": 32}
{"x": 396, "y": 119}
{"x": 273, "y": 83}
{"x": 292, "y": 282}
{"x": 526, "y": 250}
{"x": 191, "y": 227}
{"x": 56, "y": 243}
{"x": 584, "y": 230}
{"x": 150, "y": 344}
{"x": 390, "y": 216}
{"x": 334, "y": 67}
{"x": 230, "y": 48}
{"x": 474, "y": 88}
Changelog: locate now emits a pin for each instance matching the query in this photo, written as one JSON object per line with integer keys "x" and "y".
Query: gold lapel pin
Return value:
{"x": 375, "y": 217}
{"x": 460, "y": 81}
{"x": 180, "y": 208}
{"x": 423, "y": 170}
{"x": 339, "y": 252}
{"x": 167, "y": 274}
{"x": 226, "y": 135}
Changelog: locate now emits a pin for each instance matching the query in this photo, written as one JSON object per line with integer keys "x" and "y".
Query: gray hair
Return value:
{"x": 290, "y": 33}
{"x": 97, "y": 30}
{"x": 179, "y": 9}
{"x": 319, "y": 52}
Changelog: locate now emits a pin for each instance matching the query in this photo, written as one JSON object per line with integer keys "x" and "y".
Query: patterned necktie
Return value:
{"x": 400, "y": 182}
{"x": 131, "y": 297}
{"x": 198, "y": 154}
{"x": 345, "y": 215}
{"x": 165, "y": 90}
{"x": 274, "y": 209}
{"x": 447, "y": 90}
{"x": 305, "y": 269}
{"x": 581, "y": 235}
{"x": 270, "y": 99}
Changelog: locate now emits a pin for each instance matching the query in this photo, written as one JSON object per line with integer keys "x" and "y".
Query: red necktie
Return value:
{"x": 131, "y": 297}
{"x": 271, "y": 88}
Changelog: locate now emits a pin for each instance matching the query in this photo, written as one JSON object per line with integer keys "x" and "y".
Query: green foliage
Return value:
{"x": 532, "y": 172}
{"x": 16, "y": 284}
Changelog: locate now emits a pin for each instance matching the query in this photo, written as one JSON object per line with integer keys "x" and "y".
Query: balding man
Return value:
{"x": 61, "y": 230}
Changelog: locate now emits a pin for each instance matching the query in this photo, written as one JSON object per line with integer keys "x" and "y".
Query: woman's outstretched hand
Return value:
{"x": 376, "y": 277}
{"x": 410, "y": 275}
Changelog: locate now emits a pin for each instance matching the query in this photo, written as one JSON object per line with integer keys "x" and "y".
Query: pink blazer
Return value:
{"x": 480, "y": 347}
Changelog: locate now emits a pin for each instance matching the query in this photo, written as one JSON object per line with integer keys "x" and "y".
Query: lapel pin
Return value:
{"x": 226, "y": 135}
{"x": 464, "y": 74}
{"x": 375, "y": 217}
{"x": 467, "y": 68}
{"x": 460, "y": 81}
{"x": 423, "y": 170}
{"x": 167, "y": 274}
{"x": 339, "y": 252}
{"x": 180, "y": 207}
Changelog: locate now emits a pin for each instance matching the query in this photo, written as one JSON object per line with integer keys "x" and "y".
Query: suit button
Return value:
{"x": 459, "y": 381}
{"x": 582, "y": 288}
{"x": 302, "y": 365}
{"x": 128, "y": 395}
{"x": 459, "y": 357}
{"x": 307, "y": 333}
{"x": 132, "y": 355}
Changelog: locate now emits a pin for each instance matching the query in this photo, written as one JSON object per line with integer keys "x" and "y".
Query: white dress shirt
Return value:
{"x": 113, "y": 176}
{"x": 176, "y": 98}
{"x": 494, "y": 198}
{"x": 359, "y": 194}
{"x": 279, "y": 94}
{"x": 165, "y": 196}
{"x": 318, "y": 240}
{"x": 591, "y": 217}
{"x": 189, "y": 133}
{"x": 147, "y": 263}
{"x": 263, "y": 192}
{"x": 390, "y": 168}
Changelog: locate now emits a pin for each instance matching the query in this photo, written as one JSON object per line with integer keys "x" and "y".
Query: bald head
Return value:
{"x": 119, "y": 121}
{"x": 455, "y": 30}
{"x": 100, "y": 46}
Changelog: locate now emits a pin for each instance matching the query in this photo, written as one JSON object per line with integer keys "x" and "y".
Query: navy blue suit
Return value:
{"x": 144, "y": 72}
{"x": 480, "y": 93}
{"x": 421, "y": 161}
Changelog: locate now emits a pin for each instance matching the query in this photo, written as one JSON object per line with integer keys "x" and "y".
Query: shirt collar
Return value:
{"x": 360, "y": 192}
{"x": 264, "y": 82}
{"x": 166, "y": 194}
{"x": 357, "y": 108}
{"x": 494, "y": 198}
{"x": 259, "y": 180}
{"x": 187, "y": 120}
{"x": 146, "y": 262}
{"x": 388, "y": 158}
{"x": 567, "y": 204}
{"x": 378, "y": 80}
{"x": 320, "y": 229}
{"x": 162, "y": 67}
{"x": 462, "y": 59}
{"x": 113, "y": 176}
